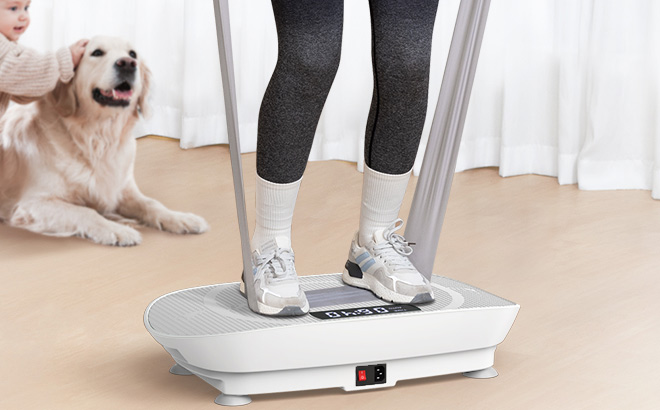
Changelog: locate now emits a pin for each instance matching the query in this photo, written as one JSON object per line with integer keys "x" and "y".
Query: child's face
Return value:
{"x": 14, "y": 18}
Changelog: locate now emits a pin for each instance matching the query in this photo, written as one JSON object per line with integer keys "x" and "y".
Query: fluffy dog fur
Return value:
{"x": 66, "y": 160}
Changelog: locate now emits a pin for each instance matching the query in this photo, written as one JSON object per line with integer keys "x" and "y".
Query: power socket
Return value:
{"x": 372, "y": 374}
{"x": 379, "y": 373}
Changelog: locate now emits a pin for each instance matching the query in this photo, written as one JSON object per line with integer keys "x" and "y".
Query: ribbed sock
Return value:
{"x": 274, "y": 210}
{"x": 382, "y": 196}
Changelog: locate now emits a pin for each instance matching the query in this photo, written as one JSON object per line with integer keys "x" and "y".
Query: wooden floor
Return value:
{"x": 584, "y": 266}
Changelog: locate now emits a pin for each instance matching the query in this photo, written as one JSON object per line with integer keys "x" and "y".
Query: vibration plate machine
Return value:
{"x": 350, "y": 339}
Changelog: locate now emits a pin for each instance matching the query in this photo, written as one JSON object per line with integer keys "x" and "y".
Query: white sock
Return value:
{"x": 382, "y": 196}
{"x": 274, "y": 210}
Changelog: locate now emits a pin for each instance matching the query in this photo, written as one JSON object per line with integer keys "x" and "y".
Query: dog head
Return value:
{"x": 110, "y": 78}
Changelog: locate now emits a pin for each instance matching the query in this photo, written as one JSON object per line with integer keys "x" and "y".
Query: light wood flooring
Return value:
{"x": 584, "y": 266}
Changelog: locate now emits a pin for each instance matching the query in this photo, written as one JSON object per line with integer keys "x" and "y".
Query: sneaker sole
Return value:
{"x": 264, "y": 309}
{"x": 361, "y": 280}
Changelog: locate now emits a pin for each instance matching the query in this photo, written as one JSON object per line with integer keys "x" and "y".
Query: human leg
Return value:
{"x": 402, "y": 31}
{"x": 401, "y": 51}
{"x": 309, "y": 46}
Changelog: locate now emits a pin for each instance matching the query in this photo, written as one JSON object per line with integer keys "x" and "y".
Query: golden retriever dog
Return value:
{"x": 66, "y": 160}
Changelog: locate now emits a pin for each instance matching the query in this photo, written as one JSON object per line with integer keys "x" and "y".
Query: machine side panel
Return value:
{"x": 347, "y": 340}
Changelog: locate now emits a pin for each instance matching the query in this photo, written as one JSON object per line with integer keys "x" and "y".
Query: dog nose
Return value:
{"x": 126, "y": 65}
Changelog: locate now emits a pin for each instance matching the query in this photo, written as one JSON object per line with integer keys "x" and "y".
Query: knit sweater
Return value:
{"x": 26, "y": 73}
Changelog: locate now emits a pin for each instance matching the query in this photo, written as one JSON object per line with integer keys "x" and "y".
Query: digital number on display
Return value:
{"x": 365, "y": 311}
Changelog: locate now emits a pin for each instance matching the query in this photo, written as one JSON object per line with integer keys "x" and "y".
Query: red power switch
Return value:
{"x": 362, "y": 375}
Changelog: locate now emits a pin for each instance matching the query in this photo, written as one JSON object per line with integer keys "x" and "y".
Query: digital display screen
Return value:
{"x": 364, "y": 311}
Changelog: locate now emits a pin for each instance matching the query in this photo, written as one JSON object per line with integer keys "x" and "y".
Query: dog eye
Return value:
{"x": 133, "y": 54}
{"x": 97, "y": 53}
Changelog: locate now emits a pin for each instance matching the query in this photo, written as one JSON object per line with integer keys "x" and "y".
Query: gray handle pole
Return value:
{"x": 227, "y": 70}
{"x": 434, "y": 184}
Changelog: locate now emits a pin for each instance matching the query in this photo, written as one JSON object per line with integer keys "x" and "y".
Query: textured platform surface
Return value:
{"x": 221, "y": 309}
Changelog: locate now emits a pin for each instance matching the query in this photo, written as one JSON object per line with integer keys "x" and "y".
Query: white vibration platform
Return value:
{"x": 210, "y": 332}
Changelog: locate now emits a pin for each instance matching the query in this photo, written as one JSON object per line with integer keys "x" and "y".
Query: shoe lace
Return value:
{"x": 277, "y": 265}
{"x": 395, "y": 249}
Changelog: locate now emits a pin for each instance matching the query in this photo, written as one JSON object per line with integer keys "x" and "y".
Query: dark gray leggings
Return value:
{"x": 309, "y": 46}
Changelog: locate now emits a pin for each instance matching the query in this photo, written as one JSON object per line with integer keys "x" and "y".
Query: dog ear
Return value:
{"x": 64, "y": 99}
{"x": 142, "y": 104}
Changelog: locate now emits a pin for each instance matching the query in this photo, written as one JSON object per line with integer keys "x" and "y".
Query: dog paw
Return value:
{"x": 117, "y": 235}
{"x": 182, "y": 223}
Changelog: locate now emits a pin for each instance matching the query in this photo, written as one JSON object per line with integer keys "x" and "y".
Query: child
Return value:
{"x": 24, "y": 74}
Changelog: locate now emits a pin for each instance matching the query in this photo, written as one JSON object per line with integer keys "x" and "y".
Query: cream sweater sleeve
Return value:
{"x": 25, "y": 72}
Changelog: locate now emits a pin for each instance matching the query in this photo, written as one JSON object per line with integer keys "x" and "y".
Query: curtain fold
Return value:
{"x": 565, "y": 88}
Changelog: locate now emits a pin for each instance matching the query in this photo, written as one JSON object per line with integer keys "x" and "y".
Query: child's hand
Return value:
{"x": 77, "y": 51}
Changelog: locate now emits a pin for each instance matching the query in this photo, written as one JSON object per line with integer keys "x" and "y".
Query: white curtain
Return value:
{"x": 565, "y": 88}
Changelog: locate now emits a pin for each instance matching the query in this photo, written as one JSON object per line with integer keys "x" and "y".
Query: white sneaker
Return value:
{"x": 383, "y": 267}
{"x": 275, "y": 280}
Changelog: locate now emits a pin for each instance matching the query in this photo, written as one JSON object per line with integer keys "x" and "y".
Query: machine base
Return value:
{"x": 210, "y": 332}
{"x": 344, "y": 376}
